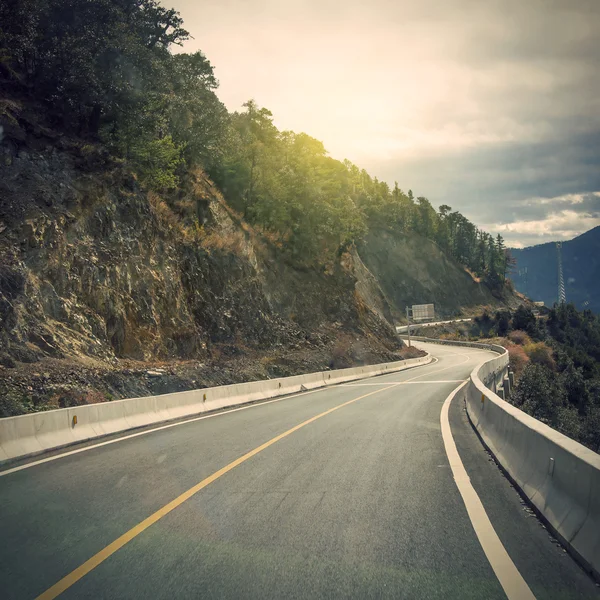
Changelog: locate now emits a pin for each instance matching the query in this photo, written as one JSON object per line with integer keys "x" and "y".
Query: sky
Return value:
{"x": 491, "y": 107}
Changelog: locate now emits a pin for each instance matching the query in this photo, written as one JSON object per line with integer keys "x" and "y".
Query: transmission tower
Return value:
{"x": 562, "y": 297}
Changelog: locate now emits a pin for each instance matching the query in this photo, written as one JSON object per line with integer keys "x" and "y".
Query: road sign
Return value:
{"x": 422, "y": 312}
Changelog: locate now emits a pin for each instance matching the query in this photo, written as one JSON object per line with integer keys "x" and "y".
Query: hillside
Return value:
{"x": 109, "y": 290}
{"x": 152, "y": 241}
{"x": 414, "y": 270}
{"x": 102, "y": 283}
{"x": 581, "y": 271}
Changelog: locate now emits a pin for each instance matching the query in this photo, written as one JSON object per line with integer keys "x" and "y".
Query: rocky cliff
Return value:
{"x": 102, "y": 283}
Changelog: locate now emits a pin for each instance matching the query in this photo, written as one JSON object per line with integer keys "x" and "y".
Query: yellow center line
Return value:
{"x": 66, "y": 582}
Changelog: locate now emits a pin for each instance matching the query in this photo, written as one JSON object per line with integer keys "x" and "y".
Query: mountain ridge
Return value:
{"x": 536, "y": 270}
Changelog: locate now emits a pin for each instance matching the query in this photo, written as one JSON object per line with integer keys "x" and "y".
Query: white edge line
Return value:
{"x": 403, "y": 383}
{"x": 512, "y": 582}
{"x": 42, "y": 461}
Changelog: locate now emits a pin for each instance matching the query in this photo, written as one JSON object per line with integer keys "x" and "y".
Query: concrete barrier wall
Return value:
{"x": 559, "y": 476}
{"x": 415, "y": 326}
{"x": 34, "y": 433}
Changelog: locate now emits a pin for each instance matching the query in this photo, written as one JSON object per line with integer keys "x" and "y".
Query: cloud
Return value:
{"x": 496, "y": 183}
{"x": 564, "y": 218}
{"x": 479, "y": 105}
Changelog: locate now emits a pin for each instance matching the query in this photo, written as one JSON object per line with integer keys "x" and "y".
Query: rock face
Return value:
{"x": 93, "y": 267}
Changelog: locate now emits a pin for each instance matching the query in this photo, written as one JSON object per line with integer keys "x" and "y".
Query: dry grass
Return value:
{"x": 268, "y": 360}
{"x": 230, "y": 241}
{"x": 362, "y": 308}
{"x": 473, "y": 276}
{"x": 204, "y": 188}
{"x": 164, "y": 213}
{"x": 275, "y": 238}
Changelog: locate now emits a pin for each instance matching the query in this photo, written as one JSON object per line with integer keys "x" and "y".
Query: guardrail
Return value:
{"x": 30, "y": 434}
{"x": 415, "y": 326}
{"x": 559, "y": 476}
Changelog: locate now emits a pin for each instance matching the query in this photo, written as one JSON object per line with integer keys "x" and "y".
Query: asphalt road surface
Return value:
{"x": 359, "y": 502}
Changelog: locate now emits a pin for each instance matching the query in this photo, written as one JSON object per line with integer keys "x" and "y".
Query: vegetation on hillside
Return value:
{"x": 105, "y": 71}
{"x": 556, "y": 361}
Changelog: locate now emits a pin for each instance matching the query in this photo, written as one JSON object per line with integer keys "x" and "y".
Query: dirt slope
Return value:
{"x": 413, "y": 270}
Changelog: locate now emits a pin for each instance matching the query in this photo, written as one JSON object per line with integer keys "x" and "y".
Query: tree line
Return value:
{"x": 106, "y": 70}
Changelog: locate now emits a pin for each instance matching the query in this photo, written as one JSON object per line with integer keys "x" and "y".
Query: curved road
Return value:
{"x": 345, "y": 492}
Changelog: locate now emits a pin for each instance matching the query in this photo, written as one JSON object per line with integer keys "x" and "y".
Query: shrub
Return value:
{"x": 591, "y": 430}
{"x": 156, "y": 161}
{"x": 519, "y": 337}
{"x": 540, "y": 354}
{"x": 518, "y": 359}
{"x": 540, "y": 394}
{"x": 14, "y": 403}
{"x": 484, "y": 324}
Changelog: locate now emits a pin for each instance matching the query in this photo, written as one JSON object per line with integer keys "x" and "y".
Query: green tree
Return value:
{"x": 443, "y": 229}
{"x": 426, "y": 219}
{"x": 523, "y": 318}
{"x": 502, "y": 319}
{"x": 197, "y": 118}
{"x": 157, "y": 161}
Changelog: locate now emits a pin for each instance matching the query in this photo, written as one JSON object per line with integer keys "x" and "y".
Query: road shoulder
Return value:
{"x": 547, "y": 568}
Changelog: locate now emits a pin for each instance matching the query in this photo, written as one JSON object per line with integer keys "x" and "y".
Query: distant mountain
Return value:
{"x": 536, "y": 273}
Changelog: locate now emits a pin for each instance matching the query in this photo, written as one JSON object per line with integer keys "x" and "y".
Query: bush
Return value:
{"x": 484, "y": 324}
{"x": 518, "y": 360}
{"x": 13, "y": 403}
{"x": 559, "y": 385}
{"x": 519, "y": 337}
{"x": 578, "y": 393}
{"x": 541, "y": 354}
{"x": 590, "y": 435}
{"x": 540, "y": 394}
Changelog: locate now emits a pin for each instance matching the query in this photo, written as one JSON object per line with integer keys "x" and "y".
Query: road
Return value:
{"x": 345, "y": 492}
